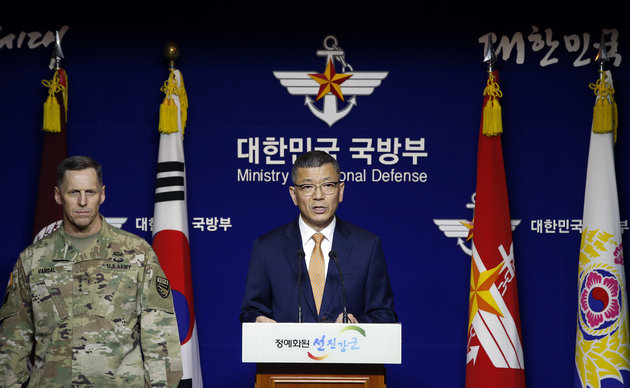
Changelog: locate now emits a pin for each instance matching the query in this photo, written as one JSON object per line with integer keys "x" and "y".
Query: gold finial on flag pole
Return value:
{"x": 490, "y": 58}
{"x": 57, "y": 54}
{"x": 171, "y": 53}
{"x": 602, "y": 55}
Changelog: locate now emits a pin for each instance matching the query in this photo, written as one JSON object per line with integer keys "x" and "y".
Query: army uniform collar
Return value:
{"x": 67, "y": 252}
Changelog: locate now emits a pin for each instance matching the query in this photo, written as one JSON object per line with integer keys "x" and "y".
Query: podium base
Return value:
{"x": 271, "y": 375}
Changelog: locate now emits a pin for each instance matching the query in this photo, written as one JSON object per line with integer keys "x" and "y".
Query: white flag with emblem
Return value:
{"x": 602, "y": 350}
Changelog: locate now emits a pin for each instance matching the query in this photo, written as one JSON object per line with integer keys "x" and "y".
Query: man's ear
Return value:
{"x": 293, "y": 195}
{"x": 102, "y": 195}
{"x": 57, "y": 195}
{"x": 342, "y": 186}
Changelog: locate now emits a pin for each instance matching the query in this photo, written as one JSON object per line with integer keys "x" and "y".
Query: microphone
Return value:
{"x": 300, "y": 255}
{"x": 333, "y": 255}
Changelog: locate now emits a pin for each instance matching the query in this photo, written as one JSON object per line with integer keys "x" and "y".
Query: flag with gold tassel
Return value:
{"x": 494, "y": 350}
{"x": 170, "y": 222}
{"x": 602, "y": 348}
{"x": 48, "y": 215}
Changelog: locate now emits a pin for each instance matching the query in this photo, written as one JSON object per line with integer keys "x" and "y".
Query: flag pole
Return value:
{"x": 602, "y": 56}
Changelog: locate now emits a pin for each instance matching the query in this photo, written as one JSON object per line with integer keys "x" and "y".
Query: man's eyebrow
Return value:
{"x": 324, "y": 180}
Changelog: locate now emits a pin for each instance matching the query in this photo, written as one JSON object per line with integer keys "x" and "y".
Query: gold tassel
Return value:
{"x": 615, "y": 118}
{"x": 605, "y": 113}
{"x": 183, "y": 102}
{"x": 52, "y": 115}
{"x": 65, "y": 94}
{"x": 496, "y": 114}
{"x": 492, "y": 121}
{"x": 168, "y": 109}
{"x": 52, "y": 110}
{"x": 488, "y": 118}
{"x": 168, "y": 116}
{"x": 602, "y": 116}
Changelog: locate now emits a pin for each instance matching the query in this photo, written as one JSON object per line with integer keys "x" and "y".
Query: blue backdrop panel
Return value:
{"x": 244, "y": 124}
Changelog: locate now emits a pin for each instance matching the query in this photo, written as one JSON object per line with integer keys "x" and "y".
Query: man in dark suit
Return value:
{"x": 273, "y": 292}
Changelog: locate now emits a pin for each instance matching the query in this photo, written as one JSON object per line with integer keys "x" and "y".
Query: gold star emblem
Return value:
{"x": 330, "y": 81}
{"x": 480, "y": 296}
{"x": 470, "y": 226}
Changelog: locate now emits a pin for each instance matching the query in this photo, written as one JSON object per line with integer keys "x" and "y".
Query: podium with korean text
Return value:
{"x": 313, "y": 355}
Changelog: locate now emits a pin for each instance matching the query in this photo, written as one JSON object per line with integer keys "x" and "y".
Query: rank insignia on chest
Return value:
{"x": 163, "y": 286}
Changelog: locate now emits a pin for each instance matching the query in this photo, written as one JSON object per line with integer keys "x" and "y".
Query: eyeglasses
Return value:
{"x": 327, "y": 188}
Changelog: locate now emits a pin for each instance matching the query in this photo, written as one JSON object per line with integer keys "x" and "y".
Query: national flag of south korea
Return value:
{"x": 170, "y": 225}
{"x": 602, "y": 352}
{"x": 494, "y": 349}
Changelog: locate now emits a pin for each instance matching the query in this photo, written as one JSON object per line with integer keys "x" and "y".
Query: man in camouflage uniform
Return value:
{"x": 89, "y": 304}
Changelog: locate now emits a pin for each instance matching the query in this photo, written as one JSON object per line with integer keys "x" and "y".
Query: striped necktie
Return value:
{"x": 316, "y": 270}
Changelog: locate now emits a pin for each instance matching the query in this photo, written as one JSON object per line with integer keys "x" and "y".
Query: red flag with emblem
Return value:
{"x": 494, "y": 349}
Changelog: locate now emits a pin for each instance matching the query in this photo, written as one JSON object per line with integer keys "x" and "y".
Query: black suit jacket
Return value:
{"x": 272, "y": 286}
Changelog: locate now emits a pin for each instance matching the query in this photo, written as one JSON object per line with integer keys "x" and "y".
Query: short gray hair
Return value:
{"x": 312, "y": 159}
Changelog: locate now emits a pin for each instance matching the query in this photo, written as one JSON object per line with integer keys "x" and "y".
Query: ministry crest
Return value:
{"x": 331, "y": 87}
{"x": 461, "y": 229}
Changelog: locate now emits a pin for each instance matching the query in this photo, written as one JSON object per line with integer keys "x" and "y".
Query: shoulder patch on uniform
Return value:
{"x": 163, "y": 286}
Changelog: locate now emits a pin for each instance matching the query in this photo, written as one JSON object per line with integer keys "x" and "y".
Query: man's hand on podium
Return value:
{"x": 264, "y": 319}
{"x": 351, "y": 318}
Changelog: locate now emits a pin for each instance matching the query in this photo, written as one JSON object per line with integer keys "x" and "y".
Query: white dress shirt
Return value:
{"x": 308, "y": 243}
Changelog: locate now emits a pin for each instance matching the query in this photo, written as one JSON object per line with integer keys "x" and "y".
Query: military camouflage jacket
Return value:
{"x": 103, "y": 317}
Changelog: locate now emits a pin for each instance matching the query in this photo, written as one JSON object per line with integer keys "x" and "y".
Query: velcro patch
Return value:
{"x": 163, "y": 286}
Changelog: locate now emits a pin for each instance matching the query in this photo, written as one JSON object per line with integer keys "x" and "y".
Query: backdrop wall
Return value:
{"x": 407, "y": 150}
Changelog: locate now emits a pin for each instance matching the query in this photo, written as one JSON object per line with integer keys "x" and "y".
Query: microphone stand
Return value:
{"x": 300, "y": 254}
{"x": 333, "y": 255}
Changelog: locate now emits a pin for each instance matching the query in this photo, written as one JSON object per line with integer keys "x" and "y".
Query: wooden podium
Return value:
{"x": 326, "y": 355}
